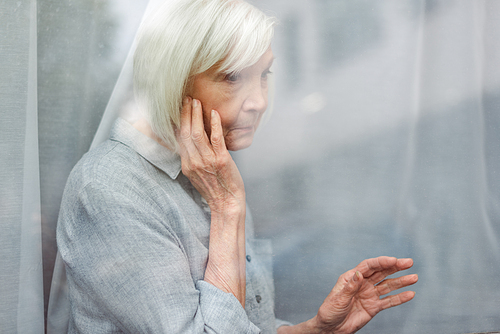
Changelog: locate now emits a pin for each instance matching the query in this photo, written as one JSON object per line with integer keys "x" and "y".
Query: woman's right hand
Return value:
{"x": 207, "y": 163}
{"x": 212, "y": 171}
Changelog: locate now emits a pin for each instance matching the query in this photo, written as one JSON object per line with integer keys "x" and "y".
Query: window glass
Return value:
{"x": 384, "y": 140}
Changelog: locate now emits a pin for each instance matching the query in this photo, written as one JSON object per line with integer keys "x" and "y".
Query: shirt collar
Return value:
{"x": 148, "y": 148}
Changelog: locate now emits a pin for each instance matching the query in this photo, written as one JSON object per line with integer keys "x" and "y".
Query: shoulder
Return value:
{"x": 108, "y": 162}
{"x": 113, "y": 176}
{"x": 112, "y": 165}
{"x": 113, "y": 186}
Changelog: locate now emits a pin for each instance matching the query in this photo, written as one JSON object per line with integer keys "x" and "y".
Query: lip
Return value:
{"x": 244, "y": 129}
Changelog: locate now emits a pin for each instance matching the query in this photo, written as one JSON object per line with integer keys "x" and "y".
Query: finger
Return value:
{"x": 370, "y": 266}
{"x": 198, "y": 134}
{"x": 185, "y": 131}
{"x": 216, "y": 135}
{"x": 401, "y": 264}
{"x": 396, "y": 300}
{"x": 379, "y": 268}
{"x": 404, "y": 264}
{"x": 186, "y": 145}
{"x": 392, "y": 284}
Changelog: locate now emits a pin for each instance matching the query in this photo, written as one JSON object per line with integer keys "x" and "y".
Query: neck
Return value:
{"x": 142, "y": 125}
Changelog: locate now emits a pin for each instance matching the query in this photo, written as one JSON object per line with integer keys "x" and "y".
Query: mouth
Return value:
{"x": 244, "y": 128}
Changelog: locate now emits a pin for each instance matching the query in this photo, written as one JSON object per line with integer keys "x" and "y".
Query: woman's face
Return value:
{"x": 239, "y": 99}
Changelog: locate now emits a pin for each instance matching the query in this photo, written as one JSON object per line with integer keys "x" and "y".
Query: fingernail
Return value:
{"x": 357, "y": 276}
{"x": 195, "y": 103}
{"x": 186, "y": 100}
{"x": 213, "y": 113}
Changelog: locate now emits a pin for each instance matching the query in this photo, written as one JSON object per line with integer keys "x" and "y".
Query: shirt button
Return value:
{"x": 249, "y": 258}
{"x": 258, "y": 298}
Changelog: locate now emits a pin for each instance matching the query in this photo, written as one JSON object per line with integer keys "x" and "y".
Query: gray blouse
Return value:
{"x": 133, "y": 233}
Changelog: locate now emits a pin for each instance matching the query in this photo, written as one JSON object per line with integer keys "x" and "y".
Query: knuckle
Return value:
{"x": 185, "y": 134}
{"x": 215, "y": 141}
{"x": 197, "y": 135}
{"x": 216, "y": 138}
{"x": 222, "y": 161}
{"x": 195, "y": 165}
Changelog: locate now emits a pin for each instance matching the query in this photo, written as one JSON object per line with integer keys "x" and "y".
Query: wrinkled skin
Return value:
{"x": 212, "y": 171}
{"x": 221, "y": 113}
{"x": 357, "y": 297}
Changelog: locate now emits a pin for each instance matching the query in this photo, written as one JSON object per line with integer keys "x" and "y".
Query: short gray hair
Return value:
{"x": 188, "y": 37}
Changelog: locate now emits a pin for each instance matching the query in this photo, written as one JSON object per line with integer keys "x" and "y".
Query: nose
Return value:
{"x": 256, "y": 99}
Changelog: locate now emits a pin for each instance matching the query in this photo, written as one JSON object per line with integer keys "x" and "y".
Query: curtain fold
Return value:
{"x": 21, "y": 309}
{"x": 445, "y": 210}
{"x": 30, "y": 303}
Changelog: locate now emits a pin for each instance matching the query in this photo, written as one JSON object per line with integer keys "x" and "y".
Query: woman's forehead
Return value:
{"x": 265, "y": 61}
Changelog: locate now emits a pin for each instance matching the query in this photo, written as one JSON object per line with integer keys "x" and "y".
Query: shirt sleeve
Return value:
{"x": 280, "y": 323}
{"x": 127, "y": 270}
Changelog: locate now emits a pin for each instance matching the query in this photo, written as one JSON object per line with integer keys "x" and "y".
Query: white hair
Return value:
{"x": 182, "y": 39}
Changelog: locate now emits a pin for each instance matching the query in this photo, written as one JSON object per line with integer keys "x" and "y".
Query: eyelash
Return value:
{"x": 234, "y": 77}
{"x": 266, "y": 74}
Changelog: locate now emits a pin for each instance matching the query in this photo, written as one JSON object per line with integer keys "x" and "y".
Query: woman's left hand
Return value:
{"x": 357, "y": 297}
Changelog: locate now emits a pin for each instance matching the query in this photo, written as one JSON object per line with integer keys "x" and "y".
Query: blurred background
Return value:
{"x": 384, "y": 139}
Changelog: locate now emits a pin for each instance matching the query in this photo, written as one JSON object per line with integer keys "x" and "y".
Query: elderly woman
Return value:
{"x": 154, "y": 230}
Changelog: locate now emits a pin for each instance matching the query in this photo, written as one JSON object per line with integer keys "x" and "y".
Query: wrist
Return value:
{"x": 310, "y": 327}
{"x": 232, "y": 206}
{"x": 314, "y": 326}
{"x": 228, "y": 219}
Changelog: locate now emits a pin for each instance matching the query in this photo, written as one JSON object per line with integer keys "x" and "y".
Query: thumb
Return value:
{"x": 352, "y": 287}
{"x": 340, "y": 300}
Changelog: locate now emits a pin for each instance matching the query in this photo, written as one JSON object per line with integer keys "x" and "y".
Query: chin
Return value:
{"x": 239, "y": 144}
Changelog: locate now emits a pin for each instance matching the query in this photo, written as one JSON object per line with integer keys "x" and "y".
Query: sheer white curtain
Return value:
{"x": 384, "y": 140}
{"x": 21, "y": 307}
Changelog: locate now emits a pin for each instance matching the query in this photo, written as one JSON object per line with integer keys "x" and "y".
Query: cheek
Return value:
{"x": 229, "y": 110}
{"x": 229, "y": 120}
{"x": 210, "y": 98}
{"x": 222, "y": 98}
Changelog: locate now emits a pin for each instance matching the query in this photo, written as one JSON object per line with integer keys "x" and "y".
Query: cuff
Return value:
{"x": 222, "y": 312}
{"x": 280, "y": 323}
